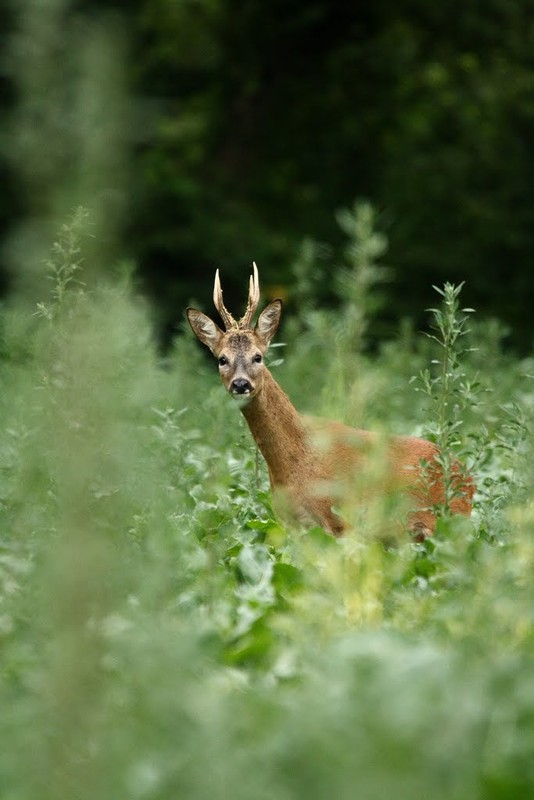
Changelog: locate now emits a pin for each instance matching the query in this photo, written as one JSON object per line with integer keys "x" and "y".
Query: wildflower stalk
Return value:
{"x": 355, "y": 285}
{"x": 65, "y": 262}
{"x": 447, "y": 387}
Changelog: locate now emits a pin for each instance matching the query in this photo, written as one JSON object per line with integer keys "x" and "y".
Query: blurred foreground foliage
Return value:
{"x": 164, "y": 636}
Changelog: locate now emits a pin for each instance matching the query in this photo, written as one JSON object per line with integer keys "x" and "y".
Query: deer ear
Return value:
{"x": 204, "y": 329}
{"x": 268, "y": 321}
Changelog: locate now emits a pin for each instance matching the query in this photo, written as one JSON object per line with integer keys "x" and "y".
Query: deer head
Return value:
{"x": 240, "y": 348}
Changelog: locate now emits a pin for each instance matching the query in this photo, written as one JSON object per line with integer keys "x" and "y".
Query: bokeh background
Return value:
{"x": 210, "y": 133}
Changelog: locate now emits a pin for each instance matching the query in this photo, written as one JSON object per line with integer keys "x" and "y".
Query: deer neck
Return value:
{"x": 278, "y": 430}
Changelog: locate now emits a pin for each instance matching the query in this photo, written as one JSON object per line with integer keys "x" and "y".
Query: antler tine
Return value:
{"x": 253, "y": 298}
{"x": 227, "y": 318}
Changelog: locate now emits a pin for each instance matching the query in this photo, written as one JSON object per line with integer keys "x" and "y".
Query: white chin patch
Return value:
{"x": 241, "y": 399}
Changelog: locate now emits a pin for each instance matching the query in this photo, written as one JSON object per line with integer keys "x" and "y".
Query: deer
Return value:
{"x": 315, "y": 465}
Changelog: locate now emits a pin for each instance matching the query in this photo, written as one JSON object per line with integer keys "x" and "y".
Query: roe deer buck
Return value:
{"x": 314, "y": 465}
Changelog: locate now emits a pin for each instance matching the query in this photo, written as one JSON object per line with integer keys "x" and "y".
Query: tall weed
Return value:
{"x": 163, "y": 635}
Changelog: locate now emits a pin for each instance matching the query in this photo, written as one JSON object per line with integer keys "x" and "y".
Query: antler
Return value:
{"x": 253, "y": 298}
{"x": 227, "y": 318}
{"x": 252, "y": 303}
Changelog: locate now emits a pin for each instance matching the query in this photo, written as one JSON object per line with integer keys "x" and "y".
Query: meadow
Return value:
{"x": 164, "y": 636}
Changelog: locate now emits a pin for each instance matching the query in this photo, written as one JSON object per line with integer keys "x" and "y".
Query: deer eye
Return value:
{"x": 257, "y": 358}
{"x": 223, "y": 361}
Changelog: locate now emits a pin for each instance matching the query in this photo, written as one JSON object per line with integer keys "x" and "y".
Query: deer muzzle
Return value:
{"x": 240, "y": 386}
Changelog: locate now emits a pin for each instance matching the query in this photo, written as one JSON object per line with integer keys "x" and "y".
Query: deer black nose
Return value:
{"x": 241, "y": 386}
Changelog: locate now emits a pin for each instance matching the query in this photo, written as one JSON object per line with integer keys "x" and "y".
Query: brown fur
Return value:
{"x": 315, "y": 465}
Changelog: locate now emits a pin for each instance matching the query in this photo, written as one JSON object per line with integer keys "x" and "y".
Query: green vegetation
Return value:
{"x": 164, "y": 637}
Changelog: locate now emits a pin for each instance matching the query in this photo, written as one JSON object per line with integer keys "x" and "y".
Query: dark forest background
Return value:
{"x": 210, "y": 133}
